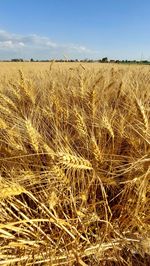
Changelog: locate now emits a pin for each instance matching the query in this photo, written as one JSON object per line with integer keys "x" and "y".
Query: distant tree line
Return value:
{"x": 103, "y": 60}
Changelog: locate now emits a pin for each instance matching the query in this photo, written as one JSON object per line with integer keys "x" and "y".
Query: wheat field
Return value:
{"x": 74, "y": 164}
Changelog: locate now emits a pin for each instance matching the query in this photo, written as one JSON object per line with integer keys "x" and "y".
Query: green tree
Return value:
{"x": 104, "y": 60}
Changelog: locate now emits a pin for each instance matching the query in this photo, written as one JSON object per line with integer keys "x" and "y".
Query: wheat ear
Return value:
{"x": 10, "y": 190}
{"x": 73, "y": 162}
{"x": 141, "y": 110}
{"x": 33, "y": 134}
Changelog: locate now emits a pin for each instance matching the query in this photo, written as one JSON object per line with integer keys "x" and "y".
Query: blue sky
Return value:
{"x": 45, "y": 29}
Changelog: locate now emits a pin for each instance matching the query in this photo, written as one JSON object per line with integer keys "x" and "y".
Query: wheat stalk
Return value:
{"x": 66, "y": 195}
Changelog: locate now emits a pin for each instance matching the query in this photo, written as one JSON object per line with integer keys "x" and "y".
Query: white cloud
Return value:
{"x": 10, "y": 44}
{"x": 51, "y": 44}
{"x": 38, "y": 46}
{"x": 21, "y": 44}
{"x": 5, "y": 44}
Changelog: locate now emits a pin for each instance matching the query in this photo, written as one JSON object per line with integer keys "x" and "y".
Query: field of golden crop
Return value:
{"x": 74, "y": 164}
